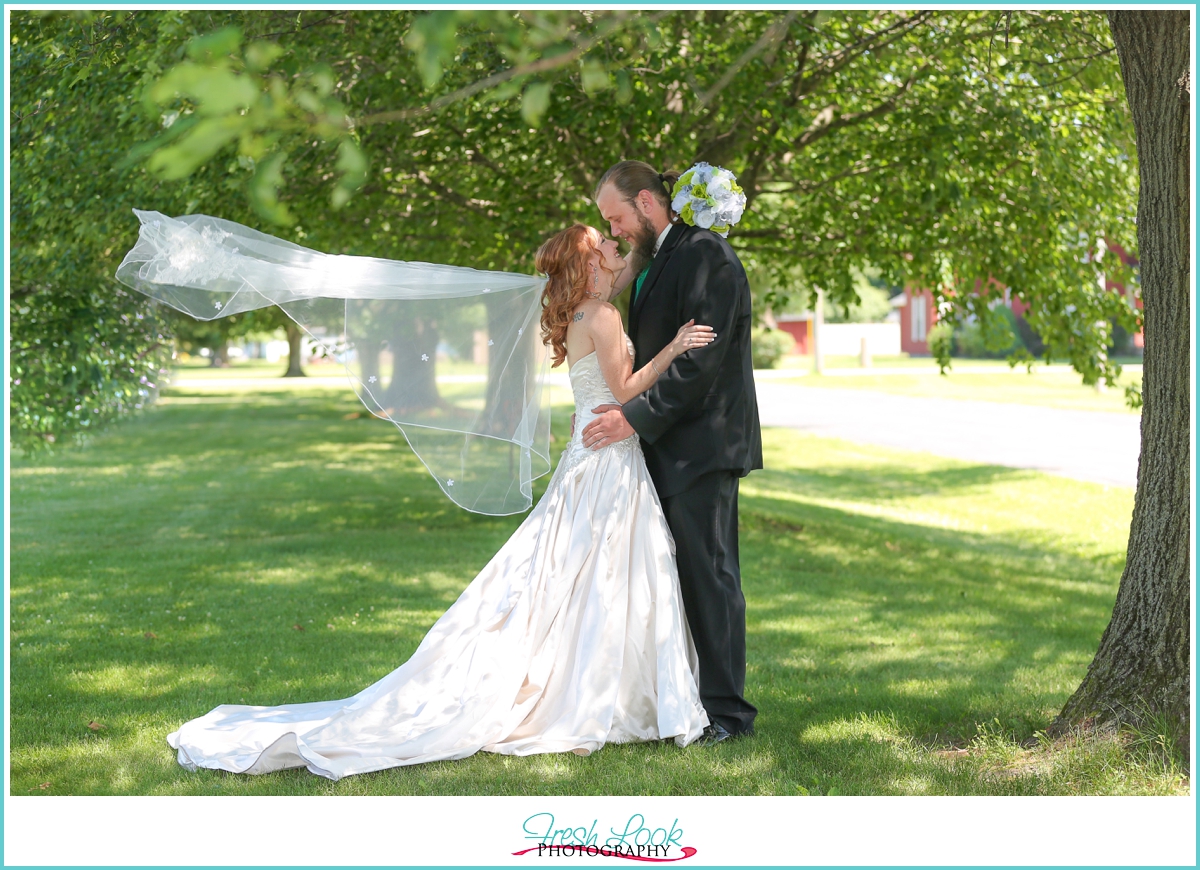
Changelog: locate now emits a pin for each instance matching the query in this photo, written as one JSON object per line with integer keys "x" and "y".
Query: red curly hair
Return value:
{"x": 564, "y": 259}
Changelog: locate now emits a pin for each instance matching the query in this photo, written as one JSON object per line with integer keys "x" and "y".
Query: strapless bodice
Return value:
{"x": 590, "y": 391}
{"x": 588, "y": 386}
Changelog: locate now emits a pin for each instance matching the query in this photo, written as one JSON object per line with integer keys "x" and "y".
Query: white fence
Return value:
{"x": 845, "y": 339}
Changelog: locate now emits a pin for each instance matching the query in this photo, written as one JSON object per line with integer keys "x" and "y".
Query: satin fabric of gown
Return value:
{"x": 571, "y": 637}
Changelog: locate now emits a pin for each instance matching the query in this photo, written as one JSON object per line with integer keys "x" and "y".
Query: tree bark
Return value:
{"x": 295, "y": 339}
{"x": 220, "y": 355}
{"x": 501, "y": 418}
{"x": 416, "y": 387}
{"x": 1142, "y": 669}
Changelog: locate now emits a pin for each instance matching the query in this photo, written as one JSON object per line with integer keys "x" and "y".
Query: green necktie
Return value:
{"x": 641, "y": 279}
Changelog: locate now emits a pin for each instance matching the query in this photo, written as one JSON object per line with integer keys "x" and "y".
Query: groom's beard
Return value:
{"x": 643, "y": 241}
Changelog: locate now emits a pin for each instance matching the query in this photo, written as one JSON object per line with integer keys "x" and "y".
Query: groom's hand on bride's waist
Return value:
{"x": 609, "y": 427}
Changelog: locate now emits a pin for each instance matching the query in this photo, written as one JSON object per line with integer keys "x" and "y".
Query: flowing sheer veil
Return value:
{"x": 450, "y": 355}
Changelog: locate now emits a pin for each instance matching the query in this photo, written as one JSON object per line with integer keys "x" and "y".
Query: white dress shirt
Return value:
{"x": 661, "y": 238}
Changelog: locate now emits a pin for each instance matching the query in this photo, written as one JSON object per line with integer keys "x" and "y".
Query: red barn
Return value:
{"x": 799, "y": 327}
{"x": 918, "y": 313}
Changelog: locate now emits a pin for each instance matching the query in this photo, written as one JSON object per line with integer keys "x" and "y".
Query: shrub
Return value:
{"x": 941, "y": 340}
{"x": 973, "y": 342}
{"x": 1032, "y": 340}
{"x": 768, "y": 347}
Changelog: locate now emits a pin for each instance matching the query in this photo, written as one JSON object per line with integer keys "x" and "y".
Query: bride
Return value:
{"x": 571, "y": 637}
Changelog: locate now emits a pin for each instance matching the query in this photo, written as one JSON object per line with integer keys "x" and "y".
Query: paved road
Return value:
{"x": 1085, "y": 445}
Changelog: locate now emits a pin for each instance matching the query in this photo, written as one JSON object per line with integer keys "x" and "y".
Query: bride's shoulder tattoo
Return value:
{"x": 578, "y": 316}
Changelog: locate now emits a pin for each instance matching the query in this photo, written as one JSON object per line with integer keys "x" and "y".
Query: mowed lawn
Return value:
{"x": 914, "y": 622}
{"x": 1057, "y": 386}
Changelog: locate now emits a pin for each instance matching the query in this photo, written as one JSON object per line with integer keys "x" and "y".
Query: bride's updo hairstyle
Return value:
{"x": 563, "y": 258}
{"x": 630, "y": 177}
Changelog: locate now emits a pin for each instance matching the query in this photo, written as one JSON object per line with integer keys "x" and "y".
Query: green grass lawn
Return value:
{"x": 904, "y": 360}
{"x": 914, "y": 622}
{"x": 199, "y": 368}
{"x": 1057, "y": 386}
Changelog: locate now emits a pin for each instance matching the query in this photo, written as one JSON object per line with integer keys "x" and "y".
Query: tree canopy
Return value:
{"x": 934, "y": 148}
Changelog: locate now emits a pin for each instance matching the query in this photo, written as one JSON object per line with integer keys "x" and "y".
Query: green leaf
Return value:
{"x": 141, "y": 151}
{"x": 216, "y": 90}
{"x": 624, "y": 88}
{"x": 594, "y": 77}
{"x": 322, "y": 79}
{"x": 202, "y": 142}
{"x": 255, "y": 146}
{"x": 534, "y": 103}
{"x": 432, "y": 40}
{"x": 352, "y": 164}
{"x": 260, "y": 55}
{"x": 264, "y": 190}
{"x": 504, "y": 92}
{"x": 214, "y": 45}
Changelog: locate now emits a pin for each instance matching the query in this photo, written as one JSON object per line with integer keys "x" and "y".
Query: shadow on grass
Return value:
{"x": 886, "y": 482}
{"x": 278, "y": 553}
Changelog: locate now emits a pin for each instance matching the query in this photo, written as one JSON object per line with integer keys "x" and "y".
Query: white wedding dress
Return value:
{"x": 571, "y": 637}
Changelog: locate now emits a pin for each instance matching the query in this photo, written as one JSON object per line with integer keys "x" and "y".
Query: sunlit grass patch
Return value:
{"x": 1052, "y": 386}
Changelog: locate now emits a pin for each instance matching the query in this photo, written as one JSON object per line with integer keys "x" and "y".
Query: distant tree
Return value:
{"x": 217, "y": 336}
{"x": 84, "y": 350}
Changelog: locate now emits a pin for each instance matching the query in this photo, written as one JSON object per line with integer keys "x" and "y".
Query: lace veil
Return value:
{"x": 450, "y": 355}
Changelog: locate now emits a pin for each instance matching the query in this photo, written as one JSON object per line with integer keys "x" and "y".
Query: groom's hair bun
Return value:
{"x": 631, "y": 177}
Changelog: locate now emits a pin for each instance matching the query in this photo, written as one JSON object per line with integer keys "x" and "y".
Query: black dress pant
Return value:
{"x": 704, "y": 523}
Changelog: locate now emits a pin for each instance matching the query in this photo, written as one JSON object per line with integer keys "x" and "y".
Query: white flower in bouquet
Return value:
{"x": 708, "y": 197}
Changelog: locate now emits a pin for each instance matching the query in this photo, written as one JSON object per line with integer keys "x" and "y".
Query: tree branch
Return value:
{"x": 452, "y": 195}
{"x": 832, "y": 62}
{"x": 544, "y": 64}
{"x": 810, "y": 187}
{"x": 770, "y": 37}
{"x": 150, "y": 349}
{"x": 825, "y": 122}
{"x": 758, "y": 158}
{"x": 318, "y": 23}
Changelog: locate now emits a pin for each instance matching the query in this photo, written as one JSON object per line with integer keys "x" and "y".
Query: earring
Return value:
{"x": 595, "y": 283}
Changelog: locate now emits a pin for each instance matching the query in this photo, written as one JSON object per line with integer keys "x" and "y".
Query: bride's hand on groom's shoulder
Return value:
{"x": 690, "y": 337}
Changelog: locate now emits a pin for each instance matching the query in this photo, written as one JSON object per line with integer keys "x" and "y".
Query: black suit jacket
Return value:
{"x": 701, "y": 415}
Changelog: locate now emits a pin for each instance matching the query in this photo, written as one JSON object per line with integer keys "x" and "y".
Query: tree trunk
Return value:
{"x": 415, "y": 389}
{"x": 295, "y": 339}
{"x": 220, "y": 355}
{"x": 1143, "y": 667}
{"x": 505, "y": 371}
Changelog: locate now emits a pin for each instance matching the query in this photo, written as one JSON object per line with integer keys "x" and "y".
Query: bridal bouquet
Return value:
{"x": 709, "y": 197}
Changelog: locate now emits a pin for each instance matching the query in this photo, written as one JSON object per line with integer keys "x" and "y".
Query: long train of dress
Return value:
{"x": 571, "y": 637}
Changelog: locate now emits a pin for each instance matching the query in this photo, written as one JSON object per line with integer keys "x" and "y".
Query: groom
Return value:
{"x": 698, "y": 424}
